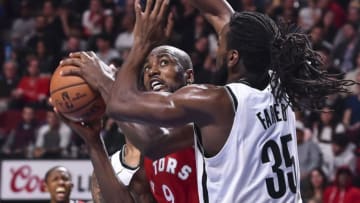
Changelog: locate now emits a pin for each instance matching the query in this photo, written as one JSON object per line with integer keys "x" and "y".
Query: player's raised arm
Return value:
{"x": 111, "y": 189}
{"x": 217, "y": 13}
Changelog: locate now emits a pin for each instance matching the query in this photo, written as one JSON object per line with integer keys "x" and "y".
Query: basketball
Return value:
{"x": 74, "y": 98}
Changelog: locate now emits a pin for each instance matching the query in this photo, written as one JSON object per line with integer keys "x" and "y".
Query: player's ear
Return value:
{"x": 45, "y": 186}
{"x": 189, "y": 76}
{"x": 233, "y": 57}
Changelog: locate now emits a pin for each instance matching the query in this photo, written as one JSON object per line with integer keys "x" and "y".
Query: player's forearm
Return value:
{"x": 111, "y": 189}
{"x": 95, "y": 190}
{"x": 217, "y": 12}
{"x": 105, "y": 89}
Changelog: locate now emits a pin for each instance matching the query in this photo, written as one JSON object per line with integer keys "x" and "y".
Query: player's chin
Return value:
{"x": 60, "y": 197}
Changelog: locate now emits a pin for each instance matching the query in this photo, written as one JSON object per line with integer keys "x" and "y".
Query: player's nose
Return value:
{"x": 154, "y": 70}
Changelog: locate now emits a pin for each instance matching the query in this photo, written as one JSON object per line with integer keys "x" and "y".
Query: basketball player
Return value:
{"x": 172, "y": 176}
{"x": 246, "y": 142}
{"x": 59, "y": 184}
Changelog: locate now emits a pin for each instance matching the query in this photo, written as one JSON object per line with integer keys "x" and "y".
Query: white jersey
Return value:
{"x": 259, "y": 161}
{"x": 124, "y": 173}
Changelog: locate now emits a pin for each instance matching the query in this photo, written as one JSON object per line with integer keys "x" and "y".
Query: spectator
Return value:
{"x": 323, "y": 131}
{"x": 72, "y": 44}
{"x": 8, "y": 82}
{"x": 342, "y": 189}
{"x": 21, "y": 139}
{"x": 352, "y": 107}
{"x": 125, "y": 38}
{"x": 313, "y": 189}
{"x": 309, "y": 15}
{"x": 42, "y": 33}
{"x": 345, "y": 53}
{"x": 343, "y": 152}
{"x": 317, "y": 38}
{"x": 324, "y": 53}
{"x": 353, "y": 74}
{"x": 33, "y": 88}
{"x": 52, "y": 138}
{"x": 55, "y": 25}
{"x": 329, "y": 27}
{"x": 309, "y": 152}
{"x": 353, "y": 16}
{"x": 23, "y": 25}
{"x": 287, "y": 11}
{"x": 109, "y": 28}
{"x": 248, "y": 5}
{"x": 104, "y": 50}
{"x": 92, "y": 19}
{"x": 47, "y": 64}
{"x": 336, "y": 9}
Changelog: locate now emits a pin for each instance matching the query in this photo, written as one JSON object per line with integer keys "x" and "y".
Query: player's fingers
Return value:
{"x": 69, "y": 72}
{"x": 149, "y": 3}
{"x": 75, "y": 54}
{"x": 164, "y": 7}
{"x": 71, "y": 62}
{"x": 86, "y": 55}
{"x": 137, "y": 8}
{"x": 91, "y": 54}
{"x": 50, "y": 101}
{"x": 155, "y": 11}
{"x": 169, "y": 25}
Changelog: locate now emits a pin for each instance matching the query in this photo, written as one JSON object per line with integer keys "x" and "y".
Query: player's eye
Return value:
{"x": 146, "y": 68}
{"x": 164, "y": 62}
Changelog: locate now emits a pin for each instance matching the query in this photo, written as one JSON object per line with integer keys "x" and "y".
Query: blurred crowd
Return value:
{"x": 37, "y": 34}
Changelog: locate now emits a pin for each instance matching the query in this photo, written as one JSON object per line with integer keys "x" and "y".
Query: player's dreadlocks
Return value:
{"x": 296, "y": 74}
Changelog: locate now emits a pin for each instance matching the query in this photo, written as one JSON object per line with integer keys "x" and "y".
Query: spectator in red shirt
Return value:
{"x": 339, "y": 12}
{"x": 342, "y": 190}
{"x": 32, "y": 88}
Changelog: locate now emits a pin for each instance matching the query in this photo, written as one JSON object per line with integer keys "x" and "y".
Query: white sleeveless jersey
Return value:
{"x": 123, "y": 172}
{"x": 259, "y": 160}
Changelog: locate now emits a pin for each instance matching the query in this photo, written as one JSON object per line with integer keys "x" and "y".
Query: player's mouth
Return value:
{"x": 157, "y": 85}
{"x": 60, "y": 192}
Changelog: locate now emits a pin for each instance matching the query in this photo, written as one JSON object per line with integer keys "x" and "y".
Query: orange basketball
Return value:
{"x": 74, "y": 98}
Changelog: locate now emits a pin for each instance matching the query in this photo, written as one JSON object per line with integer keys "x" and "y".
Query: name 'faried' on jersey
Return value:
{"x": 259, "y": 161}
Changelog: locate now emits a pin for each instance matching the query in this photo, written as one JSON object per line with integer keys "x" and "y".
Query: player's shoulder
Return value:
{"x": 199, "y": 90}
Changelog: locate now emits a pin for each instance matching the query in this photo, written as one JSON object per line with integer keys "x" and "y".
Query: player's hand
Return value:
{"x": 153, "y": 26}
{"x": 89, "y": 132}
{"x": 95, "y": 72}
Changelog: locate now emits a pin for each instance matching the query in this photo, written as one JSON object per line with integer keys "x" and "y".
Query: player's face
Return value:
{"x": 162, "y": 72}
{"x": 59, "y": 185}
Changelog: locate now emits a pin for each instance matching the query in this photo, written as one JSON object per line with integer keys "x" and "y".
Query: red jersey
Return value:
{"x": 173, "y": 177}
